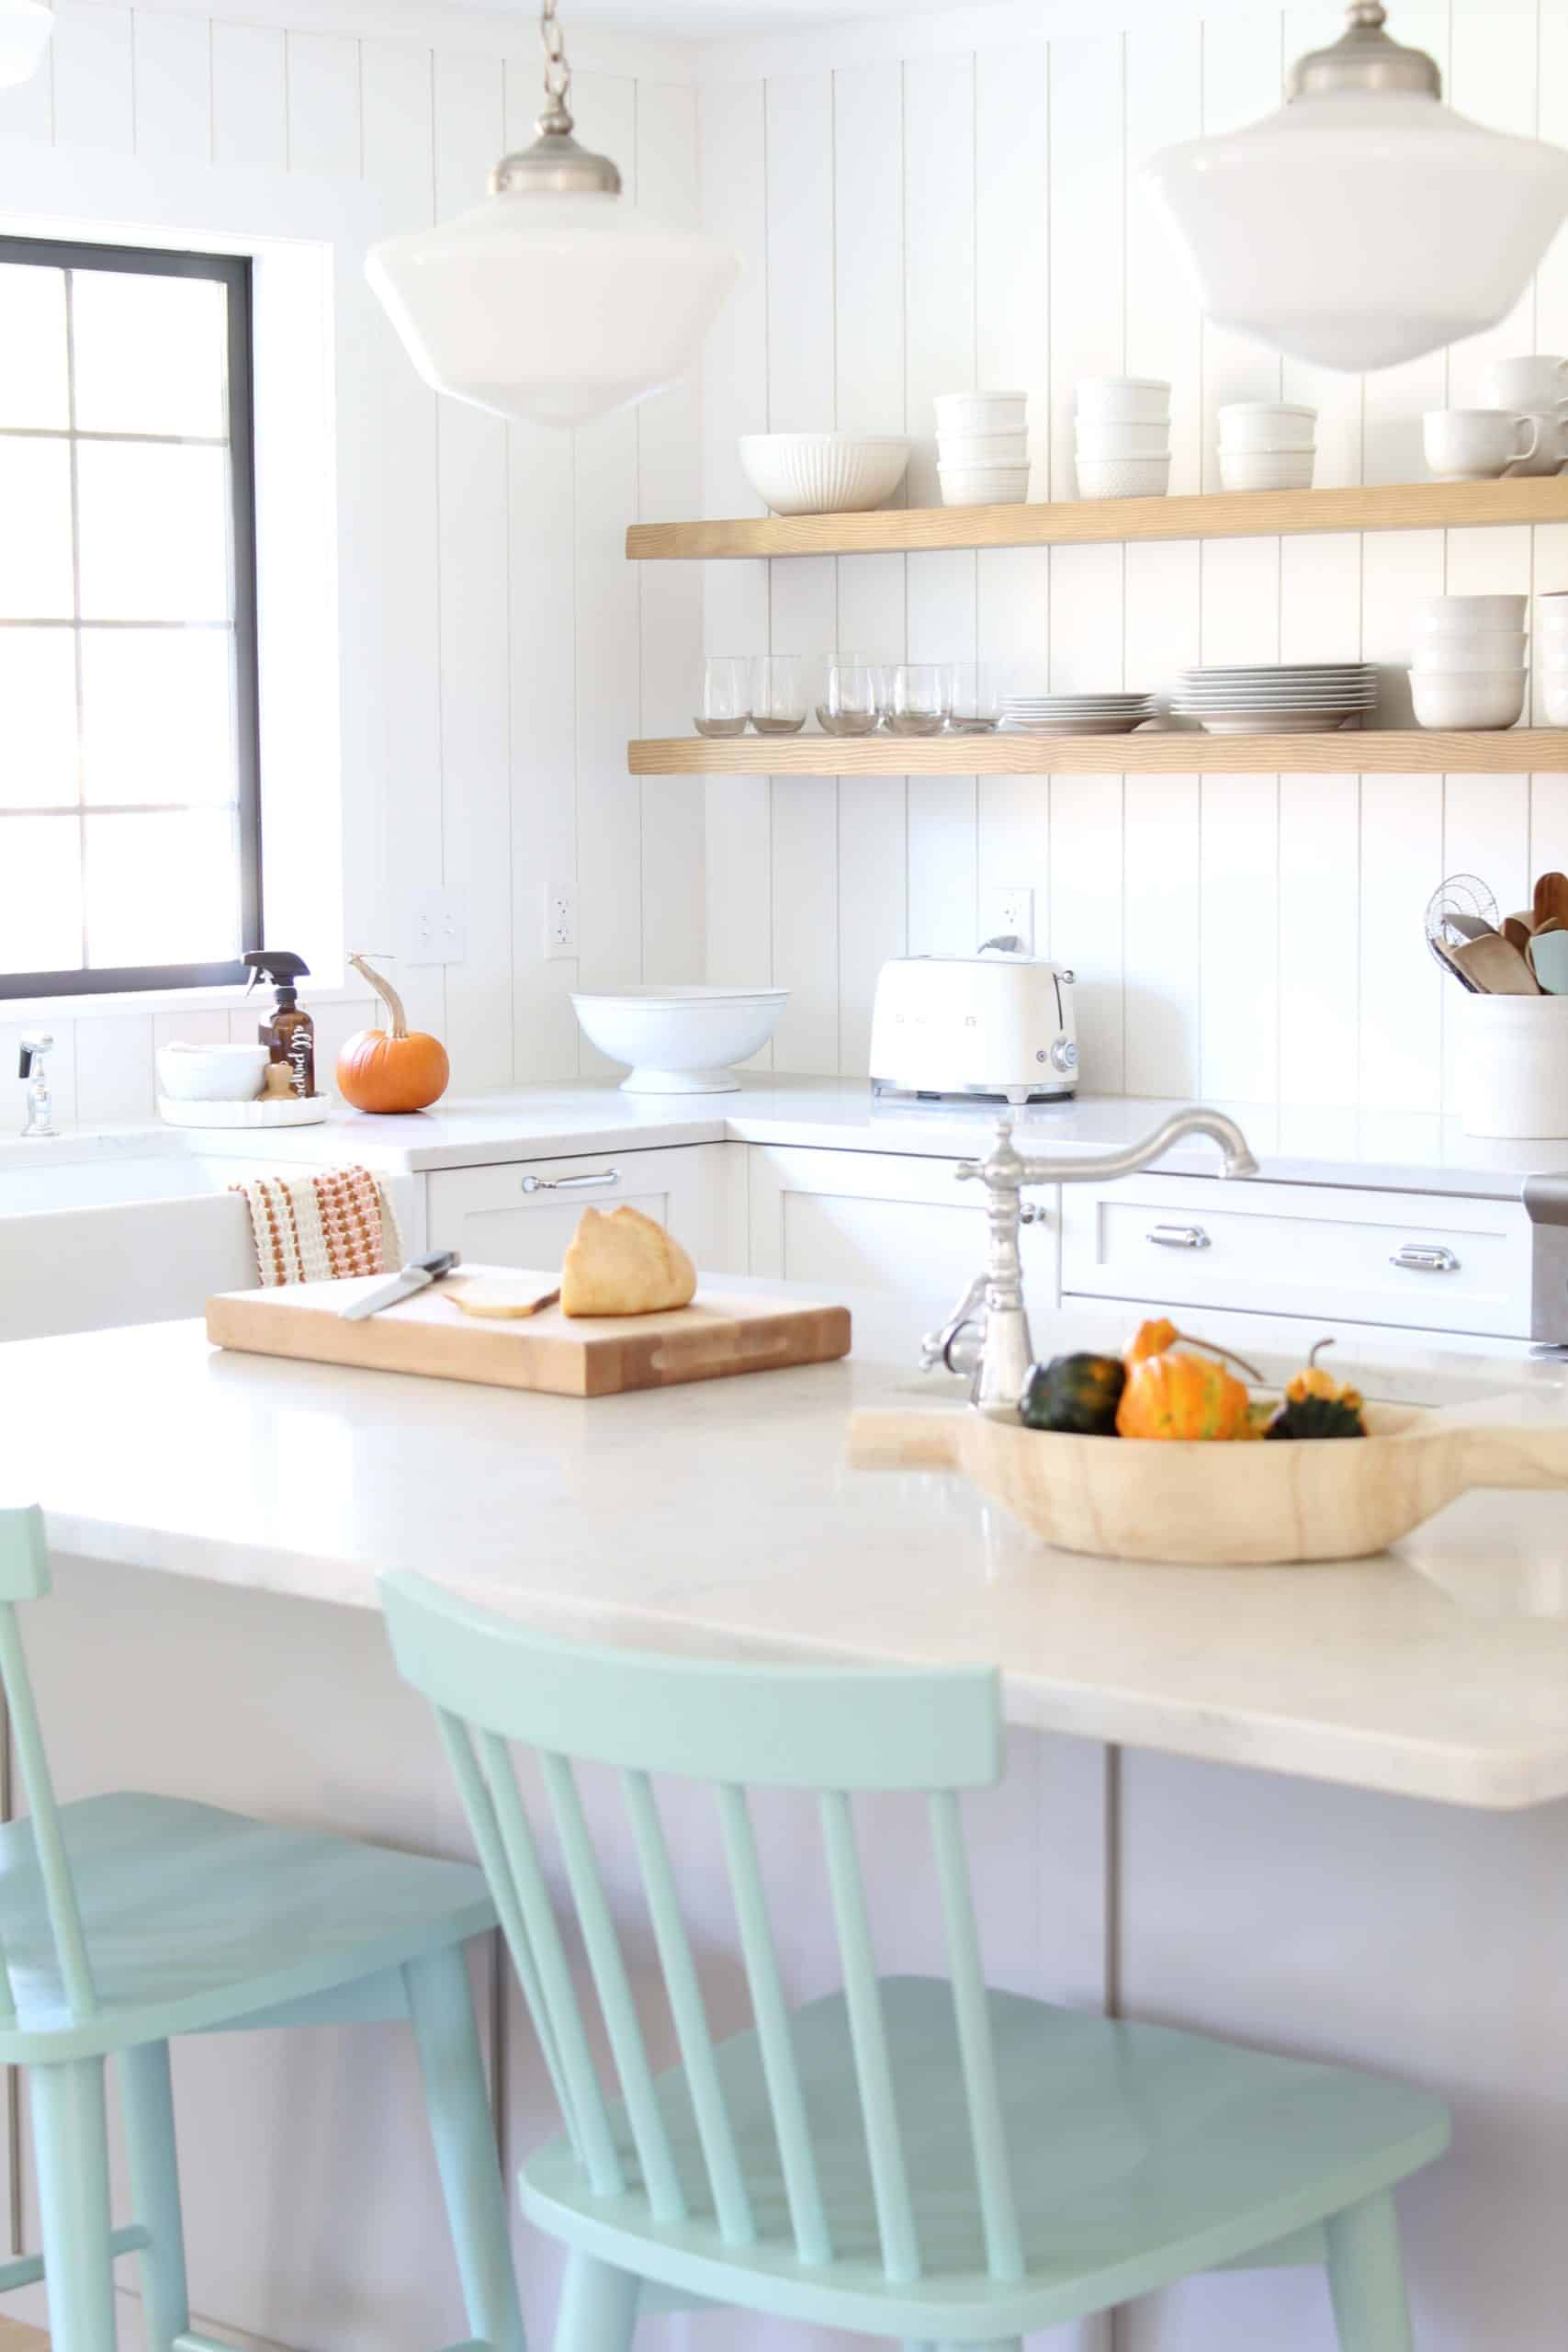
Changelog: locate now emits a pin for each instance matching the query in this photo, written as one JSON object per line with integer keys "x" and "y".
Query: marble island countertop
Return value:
{"x": 722, "y": 1516}
{"x": 1401, "y": 1151}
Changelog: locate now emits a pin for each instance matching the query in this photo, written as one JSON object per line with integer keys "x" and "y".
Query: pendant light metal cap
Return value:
{"x": 1365, "y": 58}
{"x": 555, "y": 165}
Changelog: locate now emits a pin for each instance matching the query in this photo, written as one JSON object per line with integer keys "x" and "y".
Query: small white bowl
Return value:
{"x": 1266, "y": 425}
{"x": 1126, "y": 399}
{"x": 679, "y": 1040}
{"x": 211, "y": 1073}
{"x": 984, "y": 485}
{"x": 1123, "y": 476}
{"x": 981, "y": 411}
{"x": 982, "y": 448}
{"x": 822, "y": 474}
{"x": 1468, "y": 648}
{"x": 1266, "y": 470}
{"x": 1094, "y": 439}
{"x": 1471, "y": 612}
{"x": 1464, "y": 698}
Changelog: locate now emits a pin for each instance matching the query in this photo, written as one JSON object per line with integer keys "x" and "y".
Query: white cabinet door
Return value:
{"x": 884, "y": 1221}
{"x": 523, "y": 1211}
{"x": 1424, "y": 1262}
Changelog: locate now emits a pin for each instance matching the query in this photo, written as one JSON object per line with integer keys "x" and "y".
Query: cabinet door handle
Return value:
{"x": 1426, "y": 1258}
{"x": 594, "y": 1176}
{"x": 1179, "y": 1237}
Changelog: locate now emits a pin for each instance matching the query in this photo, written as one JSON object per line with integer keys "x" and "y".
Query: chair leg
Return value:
{"x": 147, "y": 2098}
{"x": 598, "y": 2306}
{"x": 1366, "y": 2277}
{"x": 452, "y": 2072}
{"x": 71, "y": 2143}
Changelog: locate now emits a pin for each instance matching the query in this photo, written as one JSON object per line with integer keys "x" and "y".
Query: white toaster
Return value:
{"x": 997, "y": 1025}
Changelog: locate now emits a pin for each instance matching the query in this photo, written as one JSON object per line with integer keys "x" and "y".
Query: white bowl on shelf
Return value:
{"x": 983, "y": 448}
{"x": 679, "y": 1040}
{"x": 1470, "y": 612}
{"x": 1468, "y": 698}
{"x": 1266, "y": 424}
{"x": 1128, "y": 400}
{"x": 984, "y": 485}
{"x": 1266, "y": 468}
{"x": 981, "y": 411}
{"x": 1123, "y": 476}
{"x": 1436, "y": 649}
{"x": 1094, "y": 439}
{"x": 823, "y": 473}
{"x": 211, "y": 1073}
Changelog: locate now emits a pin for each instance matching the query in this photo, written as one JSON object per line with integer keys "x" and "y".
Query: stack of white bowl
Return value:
{"x": 1267, "y": 445}
{"x": 1551, "y": 655}
{"x": 1123, "y": 436}
{"x": 982, "y": 447}
{"x": 1468, "y": 664}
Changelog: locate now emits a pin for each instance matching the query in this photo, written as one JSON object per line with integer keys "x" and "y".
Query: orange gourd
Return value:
{"x": 1176, "y": 1396}
{"x": 396, "y": 1069}
{"x": 1151, "y": 1339}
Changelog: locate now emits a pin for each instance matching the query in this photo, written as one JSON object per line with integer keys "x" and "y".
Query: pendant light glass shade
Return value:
{"x": 25, "y": 28}
{"x": 557, "y": 306}
{"x": 1365, "y": 223}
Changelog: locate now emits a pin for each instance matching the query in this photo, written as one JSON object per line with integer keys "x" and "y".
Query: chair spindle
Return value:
{"x": 868, "y": 2035}
{"x": 993, "y": 2173}
{"x": 59, "y": 1887}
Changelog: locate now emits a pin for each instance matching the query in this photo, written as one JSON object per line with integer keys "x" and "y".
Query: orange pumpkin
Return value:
{"x": 1151, "y": 1339}
{"x": 396, "y": 1069}
{"x": 1176, "y": 1396}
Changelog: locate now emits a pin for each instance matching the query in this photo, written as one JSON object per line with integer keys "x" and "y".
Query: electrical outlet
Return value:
{"x": 438, "y": 929}
{"x": 560, "y": 920}
{"x": 1007, "y": 912}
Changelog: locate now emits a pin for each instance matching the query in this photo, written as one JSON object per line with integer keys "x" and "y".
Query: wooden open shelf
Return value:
{"x": 1223, "y": 515}
{"x": 1508, "y": 751}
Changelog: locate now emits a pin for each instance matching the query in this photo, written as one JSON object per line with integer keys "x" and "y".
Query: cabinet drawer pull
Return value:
{"x": 1426, "y": 1258}
{"x": 1179, "y": 1236}
{"x": 571, "y": 1183}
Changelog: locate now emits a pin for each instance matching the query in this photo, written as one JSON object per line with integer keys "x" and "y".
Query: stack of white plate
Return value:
{"x": 1289, "y": 698}
{"x": 1106, "y": 714}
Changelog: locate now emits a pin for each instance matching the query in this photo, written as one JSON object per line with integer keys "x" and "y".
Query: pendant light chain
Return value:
{"x": 558, "y": 71}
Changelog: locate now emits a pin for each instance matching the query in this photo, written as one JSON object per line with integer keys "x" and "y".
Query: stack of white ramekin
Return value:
{"x": 1265, "y": 444}
{"x": 1551, "y": 655}
{"x": 1123, "y": 436}
{"x": 1468, "y": 667}
{"x": 982, "y": 447}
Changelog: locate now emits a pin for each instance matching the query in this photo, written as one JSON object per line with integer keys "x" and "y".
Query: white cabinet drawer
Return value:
{"x": 1425, "y": 1262}
{"x": 523, "y": 1211}
{"x": 886, "y": 1221}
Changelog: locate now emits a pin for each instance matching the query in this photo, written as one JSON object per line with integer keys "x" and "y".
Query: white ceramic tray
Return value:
{"x": 266, "y": 1111}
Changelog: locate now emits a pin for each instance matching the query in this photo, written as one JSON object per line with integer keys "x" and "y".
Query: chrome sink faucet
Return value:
{"x": 987, "y": 1332}
{"x": 40, "y": 1102}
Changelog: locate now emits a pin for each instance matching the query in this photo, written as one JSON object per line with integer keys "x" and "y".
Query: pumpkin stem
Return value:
{"x": 1316, "y": 1352}
{"x": 387, "y": 994}
{"x": 1229, "y": 1354}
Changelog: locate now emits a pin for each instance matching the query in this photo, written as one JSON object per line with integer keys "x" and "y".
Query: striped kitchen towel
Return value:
{"x": 320, "y": 1226}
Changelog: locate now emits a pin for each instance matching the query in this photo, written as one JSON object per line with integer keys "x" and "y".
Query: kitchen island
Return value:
{"x": 1290, "y": 1839}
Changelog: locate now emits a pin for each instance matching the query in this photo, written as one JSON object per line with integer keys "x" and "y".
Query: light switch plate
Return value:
{"x": 438, "y": 929}
{"x": 1007, "y": 910}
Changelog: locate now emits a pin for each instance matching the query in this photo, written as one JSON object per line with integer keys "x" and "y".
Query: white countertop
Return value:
{"x": 1385, "y": 1150}
{"x": 722, "y": 1516}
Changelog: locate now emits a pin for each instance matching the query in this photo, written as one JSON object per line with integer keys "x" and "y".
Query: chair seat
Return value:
{"x": 195, "y": 1917}
{"x": 1139, "y": 2155}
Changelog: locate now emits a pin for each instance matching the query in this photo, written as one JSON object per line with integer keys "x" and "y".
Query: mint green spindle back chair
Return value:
{"x": 928, "y": 2184}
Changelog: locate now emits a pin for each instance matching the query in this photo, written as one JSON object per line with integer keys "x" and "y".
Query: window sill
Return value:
{"x": 28, "y": 1010}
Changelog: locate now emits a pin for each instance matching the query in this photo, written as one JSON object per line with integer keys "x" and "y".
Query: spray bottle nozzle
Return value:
{"x": 277, "y": 965}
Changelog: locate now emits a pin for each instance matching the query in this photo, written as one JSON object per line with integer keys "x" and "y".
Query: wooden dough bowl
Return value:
{"x": 1257, "y": 1504}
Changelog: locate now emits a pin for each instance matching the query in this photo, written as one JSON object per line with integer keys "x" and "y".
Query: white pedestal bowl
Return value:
{"x": 679, "y": 1040}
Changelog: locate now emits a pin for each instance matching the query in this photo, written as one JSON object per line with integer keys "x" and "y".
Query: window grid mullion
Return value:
{"x": 70, "y": 276}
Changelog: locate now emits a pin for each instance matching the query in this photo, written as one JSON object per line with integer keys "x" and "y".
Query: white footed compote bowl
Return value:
{"x": 679, "y": 1040}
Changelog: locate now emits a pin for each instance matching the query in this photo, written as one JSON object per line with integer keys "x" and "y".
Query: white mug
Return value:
{"x": 1538, "y": 382}
{"x": 1477, "y": 444}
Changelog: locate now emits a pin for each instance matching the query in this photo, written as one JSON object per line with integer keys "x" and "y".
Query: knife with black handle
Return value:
{"x": 417, "y": 1275}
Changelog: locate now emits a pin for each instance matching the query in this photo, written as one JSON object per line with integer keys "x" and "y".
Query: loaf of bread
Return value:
{"x": 623, "y": 1264}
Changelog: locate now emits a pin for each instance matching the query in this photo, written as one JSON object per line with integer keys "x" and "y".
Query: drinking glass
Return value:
{"x": 778, "y": 694}
{"x": 920, "y": 698}
{"x": 975, "y": 697}
{"x": 852, "y": 705}
{"x": 727, "y": 695}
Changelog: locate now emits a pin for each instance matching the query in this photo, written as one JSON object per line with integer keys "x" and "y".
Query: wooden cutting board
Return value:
{"x": 720, "y": 1332}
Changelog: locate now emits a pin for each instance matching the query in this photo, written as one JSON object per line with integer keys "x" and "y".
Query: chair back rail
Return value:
{"x": 24, "y": 1575}
{"x": 832, "y": 1732}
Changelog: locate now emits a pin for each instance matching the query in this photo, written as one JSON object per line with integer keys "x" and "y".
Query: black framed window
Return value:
{"x": 129, "y": 833}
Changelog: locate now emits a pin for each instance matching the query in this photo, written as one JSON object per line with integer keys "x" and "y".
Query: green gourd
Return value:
{"x": 1075, "y": 1394}
{"x": 1316, "y": 1405}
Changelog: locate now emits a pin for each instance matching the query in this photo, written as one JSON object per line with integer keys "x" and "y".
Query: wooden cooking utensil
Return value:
{"x": 1497, "y": 968}
{"x": 1444, "y": 956}
{"x": 1517, "y": 929}
{"x": 1550, "y": 898}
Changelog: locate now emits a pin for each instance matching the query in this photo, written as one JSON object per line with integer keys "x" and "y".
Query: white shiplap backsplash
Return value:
{"x": 918, "y": 223}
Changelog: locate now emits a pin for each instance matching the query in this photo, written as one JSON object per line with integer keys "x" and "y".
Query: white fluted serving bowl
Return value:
{"x": 822, "y": 474}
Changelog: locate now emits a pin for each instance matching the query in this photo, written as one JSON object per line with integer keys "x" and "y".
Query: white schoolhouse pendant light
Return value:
{"x": 25, "y": 28}
{"x": 1365, "y": 223}
{"x": 556, "y": 301}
